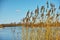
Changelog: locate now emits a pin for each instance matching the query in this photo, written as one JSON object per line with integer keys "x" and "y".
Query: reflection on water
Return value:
{"x": 10, "y": 33}
{"x": 15, "y": 33}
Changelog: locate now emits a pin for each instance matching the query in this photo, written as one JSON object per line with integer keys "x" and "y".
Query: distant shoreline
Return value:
{"x": 31, "y": 25}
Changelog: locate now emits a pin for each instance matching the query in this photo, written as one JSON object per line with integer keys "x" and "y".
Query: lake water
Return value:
{"x": 15, "y": 33}
{"x": 11, "y": 33}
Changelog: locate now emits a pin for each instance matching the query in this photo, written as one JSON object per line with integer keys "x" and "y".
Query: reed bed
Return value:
{"x": 41, "y": 34}
{"x": 44, "y": 15}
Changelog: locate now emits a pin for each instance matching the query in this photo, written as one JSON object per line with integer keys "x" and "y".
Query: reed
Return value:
{"x": 37, "y": 33}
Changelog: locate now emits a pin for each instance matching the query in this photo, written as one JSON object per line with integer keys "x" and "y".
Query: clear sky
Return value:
{"x": 15, "y": 10}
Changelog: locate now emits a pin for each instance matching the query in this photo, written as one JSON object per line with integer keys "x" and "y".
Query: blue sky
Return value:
{"x": 15, "y": 10}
